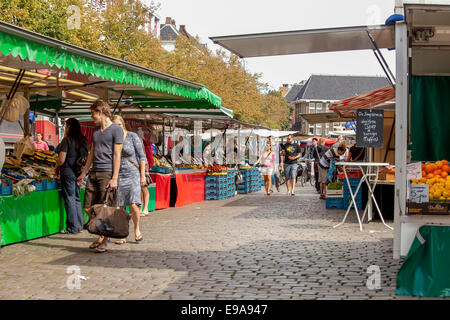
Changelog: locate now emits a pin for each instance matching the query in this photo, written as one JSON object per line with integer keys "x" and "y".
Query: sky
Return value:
{"x": 208, "y": 18}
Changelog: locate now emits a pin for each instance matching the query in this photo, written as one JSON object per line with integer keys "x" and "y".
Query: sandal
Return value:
{"x": 101, "y": 250}
{"x": 144, "y": 214}
{"x": 120, "y": 241}
{"x": 140, "y": 238}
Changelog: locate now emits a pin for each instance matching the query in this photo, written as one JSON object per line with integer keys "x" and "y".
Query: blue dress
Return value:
{"x": 129, "y": 176}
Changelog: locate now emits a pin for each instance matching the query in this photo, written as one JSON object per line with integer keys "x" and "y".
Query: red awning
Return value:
{"x": 363, "y": 101}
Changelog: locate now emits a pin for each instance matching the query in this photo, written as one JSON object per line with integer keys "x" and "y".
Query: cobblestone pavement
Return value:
{"x": 247, "y": 247}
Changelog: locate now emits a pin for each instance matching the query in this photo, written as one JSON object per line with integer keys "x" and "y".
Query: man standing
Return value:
{"x": 104, "y": 157}
{"x": 314, "y": 153}
{"x": 40, "y": 144}
{"x": 290, "y": 153}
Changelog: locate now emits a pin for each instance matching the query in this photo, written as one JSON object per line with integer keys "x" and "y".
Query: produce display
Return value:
{"x": 337, "y": 185}
{"x": 436, "y": 176}
{"x": 24, "y": 174}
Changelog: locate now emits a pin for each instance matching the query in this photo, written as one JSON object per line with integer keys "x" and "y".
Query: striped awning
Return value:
{"x": 364, "y": 101}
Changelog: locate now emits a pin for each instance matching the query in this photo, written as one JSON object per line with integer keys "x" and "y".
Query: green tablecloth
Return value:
{"x": 38, "y": 214}
{"x": 426, "y": 269}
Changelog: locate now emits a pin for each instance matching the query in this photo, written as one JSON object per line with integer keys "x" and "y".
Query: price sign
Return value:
{"x": 419, "y": 193}
{"x": 414, "y": 171}
{"x": 369, "y": 128}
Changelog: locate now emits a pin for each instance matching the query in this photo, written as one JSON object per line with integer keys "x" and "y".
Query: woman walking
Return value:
{"x": 131, "y": 175}
{"x": 267, "y": 161}
{"x": 71, "y": 148}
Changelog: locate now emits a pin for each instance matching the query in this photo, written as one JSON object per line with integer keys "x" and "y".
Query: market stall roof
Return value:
{"x": 325, "y": 117}
{"x": 363, "y": 101}
{"x": 24, "y": 49}
{"x": 307, "y": 41}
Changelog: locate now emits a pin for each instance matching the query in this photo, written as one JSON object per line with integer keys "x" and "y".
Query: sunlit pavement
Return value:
{"x": 247, "y": 247}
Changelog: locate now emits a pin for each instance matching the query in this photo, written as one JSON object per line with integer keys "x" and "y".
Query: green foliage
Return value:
{"x": 119, "y": 32}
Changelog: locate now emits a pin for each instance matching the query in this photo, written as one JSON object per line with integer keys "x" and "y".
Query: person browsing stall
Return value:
{"x": 324, "y": 166}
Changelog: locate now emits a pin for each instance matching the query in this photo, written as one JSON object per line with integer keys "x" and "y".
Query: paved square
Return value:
{"x": 246, "y": 247}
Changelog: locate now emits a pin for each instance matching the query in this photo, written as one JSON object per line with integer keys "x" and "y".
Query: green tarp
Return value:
{"x": 426, "y": 269}
{"x": 430, "y": 118}
{"x": 38, "y": 214}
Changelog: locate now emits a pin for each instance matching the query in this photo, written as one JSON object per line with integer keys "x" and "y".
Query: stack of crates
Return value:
{"x": 231, "y": 182}
{"x": 6, "y": 187}
{"x": 216, "y": 187}
{"x": 335, "y": 199}
{"x": 347, "y": 197}
{"x": 251, "y": 181}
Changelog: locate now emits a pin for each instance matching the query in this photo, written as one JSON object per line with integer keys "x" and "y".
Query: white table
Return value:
{"x": 371, "y": 171}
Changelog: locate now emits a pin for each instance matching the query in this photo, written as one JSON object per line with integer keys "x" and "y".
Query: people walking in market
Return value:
{"x": 40, "y": 144}
{"x": 324, "y": 166}
{"x": 290, "y": 154}
{"x": 268, "y": 163}
{"x": 314, "y": 153}
{"x": 73, "y": 147}
{"x": 104, "y": 158}
{"x": 131, "y": 175}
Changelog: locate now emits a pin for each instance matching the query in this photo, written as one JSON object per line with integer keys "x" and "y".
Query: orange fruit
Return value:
{"x": 423, "y": 167}
{"x": 444, "y": 174}
{"x": 437, "y": 172}
{"x": 446, "y": 168}
{"x": 427, "y": 163}
{"x": 430, "y": 176}
{"x": 445, "y": 162}
{"x": 433, "y": 167}
{"x": 423, "y": 180}
{"x": 439, "y": 164}
{"x": 429, "y": 168}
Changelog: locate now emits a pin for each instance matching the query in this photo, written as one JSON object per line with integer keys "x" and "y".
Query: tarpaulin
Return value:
{"x": 162, "y": 192}
{"x": 426, "y": 269}
{"x": 190, "y": 188}
{"x": 31, "y": 216}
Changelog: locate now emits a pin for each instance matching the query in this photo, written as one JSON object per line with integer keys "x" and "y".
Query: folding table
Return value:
{"x": 371, "y": 171}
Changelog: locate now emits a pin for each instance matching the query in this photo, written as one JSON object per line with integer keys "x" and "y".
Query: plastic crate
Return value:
{"x": 51, "y": 185}
{"x": 216, "y": 178}
{"x": 216, "y": 197}
{"x": 40, "y": 185}
{"x": 348, "y": 200}
{"x": 334, "y": 203}
{"x": 6, "y": 188}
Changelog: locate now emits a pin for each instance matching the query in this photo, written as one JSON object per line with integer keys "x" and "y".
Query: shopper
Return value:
{"x": 290, "y": 153}
{"x": 104, "y": 157}
{"x": 314, "y": 153}
{"x": 131, "y": 175}
{"x": 268, "y": 162}
{"x": 148, "y": 150}
{"x": 40, "y": 144}
{"x": 73, "y": 146}
{"x": 324, "y": 166}
{"x": 356, "y": 154}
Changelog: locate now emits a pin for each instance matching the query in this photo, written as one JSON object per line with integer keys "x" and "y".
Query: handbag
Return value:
{"x": 109, "y": 221}
{"x": 239, "y": 178}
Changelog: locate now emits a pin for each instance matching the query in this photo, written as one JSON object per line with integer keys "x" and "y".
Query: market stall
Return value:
{"x": 57, "y": 79}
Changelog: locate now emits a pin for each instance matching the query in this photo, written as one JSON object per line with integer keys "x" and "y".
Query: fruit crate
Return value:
{"x": 51, "y": 185}
{"x": 6, "y": 188}
{"x": 216, "y": 178}
{"x": 348, "y": 200}
{"x": 334, "y": 203}
{"x": 334, "y": 192}
{"x": 40, "y": 185}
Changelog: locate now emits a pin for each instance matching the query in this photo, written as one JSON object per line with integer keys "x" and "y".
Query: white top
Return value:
{"x": 363, "y": 164}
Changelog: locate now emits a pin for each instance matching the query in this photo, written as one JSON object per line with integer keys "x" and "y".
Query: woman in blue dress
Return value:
{"x": 131, "y": 175}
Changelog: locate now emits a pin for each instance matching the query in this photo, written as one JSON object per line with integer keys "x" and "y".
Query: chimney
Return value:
{"x": 173, "y": 22}
{"x": 183, "y": 29}
{"x": 168, "y": 20}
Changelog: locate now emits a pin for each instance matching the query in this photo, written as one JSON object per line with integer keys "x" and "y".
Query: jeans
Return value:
{"x": 71, "y": 195}
{"x": 290, "y": 170}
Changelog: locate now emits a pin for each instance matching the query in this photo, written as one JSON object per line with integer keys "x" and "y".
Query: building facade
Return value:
{"x": 317, "y": 93}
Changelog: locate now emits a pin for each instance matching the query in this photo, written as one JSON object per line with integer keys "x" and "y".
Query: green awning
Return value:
{"x": 32, "y": 47}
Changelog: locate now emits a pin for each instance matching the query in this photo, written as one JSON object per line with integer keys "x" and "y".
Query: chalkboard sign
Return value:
{"x": 369, "y": 128}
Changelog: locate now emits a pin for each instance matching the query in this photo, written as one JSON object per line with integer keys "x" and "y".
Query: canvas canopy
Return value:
{"x": 93, "y": 76}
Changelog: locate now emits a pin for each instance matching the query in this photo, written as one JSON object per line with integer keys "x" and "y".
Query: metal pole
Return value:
{"x": 401, "y": 132}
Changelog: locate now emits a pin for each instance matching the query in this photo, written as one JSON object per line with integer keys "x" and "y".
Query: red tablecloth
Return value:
{"x": 190, "y": 188}
{"x": 162, "y": 192}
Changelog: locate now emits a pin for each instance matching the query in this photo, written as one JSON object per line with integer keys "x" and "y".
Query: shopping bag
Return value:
{"x": 331, "y": 170}
{"x": 109, "y": 221}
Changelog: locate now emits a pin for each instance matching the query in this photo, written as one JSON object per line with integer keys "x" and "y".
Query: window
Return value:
{"x": 327, "y": 107}
{"x": 319, "y": 107}
{"x": 312, "y": 108}
{"x": 319, "y": 130}
{"x": 327, "y": 128}
{"x": 311, "y": 129}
